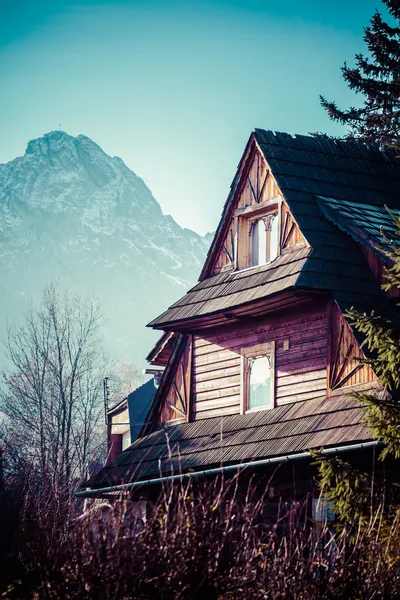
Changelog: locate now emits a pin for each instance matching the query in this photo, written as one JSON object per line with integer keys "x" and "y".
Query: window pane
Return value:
{"x": 254, "y": 245}
{"x": 262, "y": 243}
{"x": 260, "y": 383}
{"x": 258, "y": 244}
{"x": 273, "y": 239}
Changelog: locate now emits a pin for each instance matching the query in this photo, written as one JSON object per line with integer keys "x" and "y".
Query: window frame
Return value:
{"x": 267, "y": 221}
{"x": 245, "y": 218}
{"x": 247, "y": 353}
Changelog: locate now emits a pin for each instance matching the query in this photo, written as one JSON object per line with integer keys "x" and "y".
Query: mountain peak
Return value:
{"x": 58, "y": 141}
{"x": 72, "y": 213}
{"x": 48, "y": 139}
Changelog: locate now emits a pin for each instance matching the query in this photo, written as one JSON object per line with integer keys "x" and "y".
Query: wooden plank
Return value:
{"x": 263, "y": 186}
{"x": 343, "y": 367}
{"x": 218, "y": 403}
{"x": 300, "y": 397}
{"x": 225, "y": 372}
{"x": 302, "y": 366}
{"x": 337, "y": 354}
{"x": 188, "y": 380}
{"x": 304, "y": 391}
{"x": 222, "y": 383}
{"x": 301, "y": 337}
{"x": 219, "y": 412}
{"x": 297, "y": 352}
{"x": 217, "y": 365}
{"x": 176, "y": 409}
{"x": 349, "y": 375}
{"x": 179, "y": 395}
{"x": 311, "y": 321}
{"x": 217, "y": 393}
{"x": 215, "y": 357}
{"x": 297, "y": 379}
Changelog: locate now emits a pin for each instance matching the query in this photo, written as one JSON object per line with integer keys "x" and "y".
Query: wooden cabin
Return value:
{"x": 258, "y": 357}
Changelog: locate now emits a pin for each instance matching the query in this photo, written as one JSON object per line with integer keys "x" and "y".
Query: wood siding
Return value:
{"x": 176, "y": 402}
{"x": 258, "y": 186}
{"x": 379, "y": 269}
{"x": 301, "y": 361}
{"x": 345, "y": 368}
{"x": 290, "y": 233}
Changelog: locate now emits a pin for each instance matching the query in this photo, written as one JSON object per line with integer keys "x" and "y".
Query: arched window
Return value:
{"x": 273, "y": 237}
{"x": 260, "y": 392}
{"x": 258, "y": 377}
{"x": 264, "y": 240}
{"x": 258, "y": 243}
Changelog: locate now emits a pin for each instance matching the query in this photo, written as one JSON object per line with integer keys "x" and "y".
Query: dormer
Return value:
{"x": 261, "y": 226}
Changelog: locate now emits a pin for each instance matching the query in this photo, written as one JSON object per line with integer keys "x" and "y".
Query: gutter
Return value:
{"x": 126, "y": 487}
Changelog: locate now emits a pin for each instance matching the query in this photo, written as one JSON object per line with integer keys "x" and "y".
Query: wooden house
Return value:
{"x": 258, "y": 357}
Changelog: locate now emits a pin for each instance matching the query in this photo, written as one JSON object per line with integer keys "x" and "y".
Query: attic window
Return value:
{"x": 264, "y": 240}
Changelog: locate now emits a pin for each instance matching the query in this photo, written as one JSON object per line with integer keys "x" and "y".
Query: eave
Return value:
{"x": 250, "y": 310}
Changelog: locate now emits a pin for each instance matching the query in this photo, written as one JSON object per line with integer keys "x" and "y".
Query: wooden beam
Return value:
{"x": 334, "y": 369}
{"x": 227, "y": 253}
{"x": 175, "y": 408}
{"x": 263, "y": 185}
{"x": 252, "y": 189}
{"x": 343, "y": 366}
{"x": 350, "y": 374}
{"x": 179, "y": 396}
{"x": 232, "y": 245}
{"x": 189, "y": 369}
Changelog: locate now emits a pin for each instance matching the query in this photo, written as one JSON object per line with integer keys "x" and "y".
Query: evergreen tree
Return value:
{"x": 377, "y": 78}
{"x": 361, "y": 497}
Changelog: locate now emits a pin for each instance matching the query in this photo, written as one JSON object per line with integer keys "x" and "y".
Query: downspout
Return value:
{"x": 125, "y": 487}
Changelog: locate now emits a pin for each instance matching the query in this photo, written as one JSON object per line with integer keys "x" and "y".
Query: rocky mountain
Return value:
{"x": 71, "y": 213}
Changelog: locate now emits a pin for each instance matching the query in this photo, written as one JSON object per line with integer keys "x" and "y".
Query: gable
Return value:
{"x": 172, "y": 400}
{"x": 289, "y": 173}
{"x": 345, "y": 365}
{"x": 256, "y": 197}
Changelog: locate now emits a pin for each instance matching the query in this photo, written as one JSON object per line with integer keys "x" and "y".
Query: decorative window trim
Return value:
{"x": 245, "y": 221}
{"x": 248, "y": 353}
{"x": 267, "y": 221}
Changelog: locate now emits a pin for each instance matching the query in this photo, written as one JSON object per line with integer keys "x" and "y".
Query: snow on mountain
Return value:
{"x": 71, "y": 213}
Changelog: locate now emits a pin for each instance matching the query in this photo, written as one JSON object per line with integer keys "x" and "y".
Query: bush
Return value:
{"x": 201, "y": 539}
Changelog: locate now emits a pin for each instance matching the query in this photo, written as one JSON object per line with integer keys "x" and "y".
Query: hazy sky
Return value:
{"x": 174, "y": 88}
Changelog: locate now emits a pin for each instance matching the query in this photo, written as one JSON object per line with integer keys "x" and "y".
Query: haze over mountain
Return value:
{"x": 71, "y": 213}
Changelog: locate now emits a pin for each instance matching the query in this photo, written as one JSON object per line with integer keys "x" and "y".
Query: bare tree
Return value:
{"x": 124, "y": 379}
{"x": 52, "y": 395}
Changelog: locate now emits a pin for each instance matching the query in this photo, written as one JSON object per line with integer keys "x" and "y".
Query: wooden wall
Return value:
{"x": 258, "y": 185}
{"x": 176, "y": 401}
{"x": 301, "y": 369}
{"x": 379, "y": 270}
{"x": 290, "y": 233}
{"x": 316, "y": 354}
{"x": 345, "y": 368}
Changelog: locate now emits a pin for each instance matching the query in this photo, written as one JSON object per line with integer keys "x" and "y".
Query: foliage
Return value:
{"x": 201, "y": 540}
{"x": 370, "y": 500}
{"x": 377, "y": 78}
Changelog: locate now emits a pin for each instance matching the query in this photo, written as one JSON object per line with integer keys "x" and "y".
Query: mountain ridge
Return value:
{"x": 72, "y": 213}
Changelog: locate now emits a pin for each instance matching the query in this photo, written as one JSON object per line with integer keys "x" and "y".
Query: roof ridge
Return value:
{"x": 355, "y": 144}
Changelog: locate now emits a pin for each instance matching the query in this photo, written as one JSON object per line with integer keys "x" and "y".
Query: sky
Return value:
{"x": 174, "y": 87}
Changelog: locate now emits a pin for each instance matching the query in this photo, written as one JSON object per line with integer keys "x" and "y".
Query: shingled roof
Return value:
{"x": 323, "y": 181}
{"x": 286, "y": 429}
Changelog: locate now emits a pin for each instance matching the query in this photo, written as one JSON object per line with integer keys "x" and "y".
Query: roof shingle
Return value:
{"x": 289, "y": 428}
{"x": 324, "y": 181}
